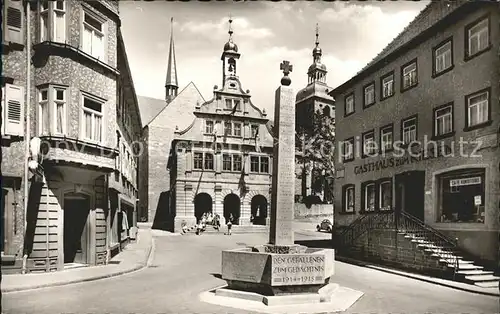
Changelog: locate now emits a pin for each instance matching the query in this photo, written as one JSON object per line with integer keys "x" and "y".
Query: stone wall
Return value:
{"x": 315, "y": 210}
{"x": 388, "y": 247}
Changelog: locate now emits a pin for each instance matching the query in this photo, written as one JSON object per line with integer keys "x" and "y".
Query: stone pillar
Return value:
{"x": 283, "y": 189}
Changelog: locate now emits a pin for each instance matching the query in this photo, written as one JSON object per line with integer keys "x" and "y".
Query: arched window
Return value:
{"x": 326, "y": 111}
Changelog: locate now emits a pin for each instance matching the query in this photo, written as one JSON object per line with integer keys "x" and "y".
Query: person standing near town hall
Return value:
{"x": 229, "y": 224}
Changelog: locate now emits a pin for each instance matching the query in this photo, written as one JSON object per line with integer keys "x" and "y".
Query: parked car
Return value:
{"x": 326, "y": 225}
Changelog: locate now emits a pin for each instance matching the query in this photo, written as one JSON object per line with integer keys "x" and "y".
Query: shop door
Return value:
{"x": 76, "y": 212}
{"x": 410, "y": 193}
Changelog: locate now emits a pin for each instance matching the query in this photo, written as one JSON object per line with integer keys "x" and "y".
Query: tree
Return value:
{"x": 315, "y": 145}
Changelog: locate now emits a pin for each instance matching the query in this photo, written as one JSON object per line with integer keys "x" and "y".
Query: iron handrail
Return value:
{"x": 426, "y": 236}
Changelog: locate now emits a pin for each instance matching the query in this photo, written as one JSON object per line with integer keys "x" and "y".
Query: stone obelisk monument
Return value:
{"x": 283, "y": 190}
{"x": 280, "y": 272}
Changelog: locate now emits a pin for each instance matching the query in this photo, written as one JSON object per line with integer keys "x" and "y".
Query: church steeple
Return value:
{"x": 171, "y": 84}
{"x": 317, "y": 70}
{"x": 229, "y": 55}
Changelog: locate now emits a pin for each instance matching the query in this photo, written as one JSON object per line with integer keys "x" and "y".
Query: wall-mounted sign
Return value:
{"x": 392, "y": 162}
{"x": 477, "y": 200}
{"x": 465, "y": 181}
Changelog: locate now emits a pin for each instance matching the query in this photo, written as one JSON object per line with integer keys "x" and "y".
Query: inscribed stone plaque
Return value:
{"x": 283, "y": 188}
{"x": 297, "y": 269}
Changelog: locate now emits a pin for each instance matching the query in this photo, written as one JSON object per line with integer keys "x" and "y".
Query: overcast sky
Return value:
{"x": 351, "y": 34}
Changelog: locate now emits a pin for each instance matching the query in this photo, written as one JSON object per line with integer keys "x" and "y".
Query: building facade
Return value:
{"x": 221, "y": 163}
{"x": 312, "y": 99}
{"x": 57, "y": 214}
{"x": 418, "y": 127}
{"x": 160, "y": 117}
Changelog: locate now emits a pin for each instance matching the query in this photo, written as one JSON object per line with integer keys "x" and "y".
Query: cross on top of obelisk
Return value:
{"x": 286, "y": 67}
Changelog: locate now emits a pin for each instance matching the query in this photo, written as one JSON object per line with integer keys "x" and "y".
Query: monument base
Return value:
{"x": 273, "y": 270}
{"x": 264, "y": 278}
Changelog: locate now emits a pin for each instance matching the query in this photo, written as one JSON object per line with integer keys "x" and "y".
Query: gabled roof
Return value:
{"x": 179, "y": 112}
{"x": 432, "y": 14}
{"x": 149, "y": 108}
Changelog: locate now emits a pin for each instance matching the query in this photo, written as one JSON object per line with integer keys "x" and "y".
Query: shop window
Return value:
{"x": 462, "y": 196}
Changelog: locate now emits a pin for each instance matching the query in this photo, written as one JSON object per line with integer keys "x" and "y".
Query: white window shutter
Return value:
{"x": 14, "y": 22}
{"x": 13, "y": 124}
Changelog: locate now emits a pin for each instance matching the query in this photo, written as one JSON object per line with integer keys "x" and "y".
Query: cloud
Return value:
{"x": 350, "y": 36}
{"x": 220, "y": 28}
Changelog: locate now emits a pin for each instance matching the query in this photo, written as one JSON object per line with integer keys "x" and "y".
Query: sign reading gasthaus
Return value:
{"x": 297, "y": 269}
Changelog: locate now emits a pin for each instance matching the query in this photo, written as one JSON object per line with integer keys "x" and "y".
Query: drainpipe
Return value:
{"x": 28, "y": 128}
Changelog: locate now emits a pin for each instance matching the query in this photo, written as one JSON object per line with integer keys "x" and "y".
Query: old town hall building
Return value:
{"x": 221, "y": 163}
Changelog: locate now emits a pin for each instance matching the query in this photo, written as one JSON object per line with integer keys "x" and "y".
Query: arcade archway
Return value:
{"x": 258, "y": 207}
{"x": 202, "y": 204}
{"x": 232, "y": 206}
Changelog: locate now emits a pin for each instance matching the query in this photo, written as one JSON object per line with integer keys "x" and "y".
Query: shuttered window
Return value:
{"x": 13, "y": 22}
{"x": 13, "y": 110}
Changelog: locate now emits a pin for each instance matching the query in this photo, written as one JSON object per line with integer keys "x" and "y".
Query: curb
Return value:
{"x": 145, "y": 264}
{"x": 407, "y": 275}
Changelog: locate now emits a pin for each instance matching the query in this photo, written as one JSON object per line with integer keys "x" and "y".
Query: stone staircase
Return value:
{"x": 465, "y": 270}
{"x": 432, "y": 249}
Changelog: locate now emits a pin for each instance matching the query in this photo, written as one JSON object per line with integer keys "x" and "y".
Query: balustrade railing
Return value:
{"x": 425, "y": 236}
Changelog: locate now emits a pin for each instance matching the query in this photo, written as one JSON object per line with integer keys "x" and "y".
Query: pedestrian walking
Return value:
{"x": 229, "y": 224}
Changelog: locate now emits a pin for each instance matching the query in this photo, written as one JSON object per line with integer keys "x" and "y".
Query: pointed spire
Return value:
{"x": 171, "y": 84}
